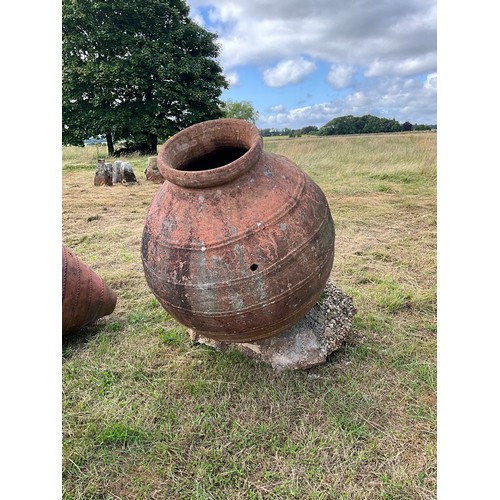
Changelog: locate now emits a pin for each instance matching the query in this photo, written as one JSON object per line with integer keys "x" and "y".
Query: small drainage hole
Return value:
{"x": 254, "y": 267}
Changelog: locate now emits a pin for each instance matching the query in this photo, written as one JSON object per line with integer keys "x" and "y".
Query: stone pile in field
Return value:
{"x": 308, "y": 343}
{"x": 120, "y": 172}
{"x": 152, "y": 172}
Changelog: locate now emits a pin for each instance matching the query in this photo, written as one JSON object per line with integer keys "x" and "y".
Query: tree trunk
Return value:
{"x": 153, "y": 143}
{"x": 109, "y": 141}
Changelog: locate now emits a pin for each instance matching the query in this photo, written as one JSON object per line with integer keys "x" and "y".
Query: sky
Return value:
{"x": 303, "y": 63}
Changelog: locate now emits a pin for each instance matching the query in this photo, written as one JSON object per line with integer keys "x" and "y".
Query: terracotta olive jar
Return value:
{"x": 238, "y": 243}
{"x": 85, "y": 296}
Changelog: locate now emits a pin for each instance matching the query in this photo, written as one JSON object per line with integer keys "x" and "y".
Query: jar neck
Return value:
{"x": 210, "y": 153}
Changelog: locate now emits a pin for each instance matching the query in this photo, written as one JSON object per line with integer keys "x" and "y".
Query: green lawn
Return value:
{"x": 148, "y": 415}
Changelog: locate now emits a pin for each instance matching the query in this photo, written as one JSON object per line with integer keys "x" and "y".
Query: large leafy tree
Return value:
{"x": 138, "y": 70}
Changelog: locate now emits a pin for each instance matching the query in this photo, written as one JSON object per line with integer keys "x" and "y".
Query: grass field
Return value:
{"x": 148, "y": 415}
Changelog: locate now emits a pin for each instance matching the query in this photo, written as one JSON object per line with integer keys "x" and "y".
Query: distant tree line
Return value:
{"x": 342, "y": 125}
{"x": 272, "y": 132}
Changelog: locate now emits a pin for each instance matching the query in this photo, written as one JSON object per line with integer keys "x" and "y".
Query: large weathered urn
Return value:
{"x": 85, "y": 296}
{"x": 238, "y": 243}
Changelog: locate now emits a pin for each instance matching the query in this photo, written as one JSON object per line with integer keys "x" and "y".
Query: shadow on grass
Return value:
{"x": 78, "y": 339}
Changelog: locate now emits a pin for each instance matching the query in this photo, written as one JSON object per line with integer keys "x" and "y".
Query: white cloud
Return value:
{"x": 389, "y": 37}
{"x": 233, "y": 78}
{"x": 409, "y": 66}
{"x": 196, "y": 16}
{"x": 278, "y": 108}
{"x": 316, "y": 114}
{"x": 288, "y": 72}
{"x": 431, "y": 83}
{"x": 388, "y": 45}
{"x": 225, "y": 12}
{"x": 398, "y": 98}
{"x": 340, "y": 75}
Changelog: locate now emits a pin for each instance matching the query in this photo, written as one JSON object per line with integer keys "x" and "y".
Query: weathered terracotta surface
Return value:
{"x": 238, "y": 243}
{"x": 85, "y": 296}
{"x": 308, "y": 343}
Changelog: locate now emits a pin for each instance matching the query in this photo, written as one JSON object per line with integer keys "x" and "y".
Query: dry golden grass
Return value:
{"x": 148, "y": 415}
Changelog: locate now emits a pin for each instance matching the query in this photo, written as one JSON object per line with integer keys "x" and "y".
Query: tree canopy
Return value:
{"x": 367, "y": 124}
{"x": 240, "y": 109}
{"x": 137, "y": 70}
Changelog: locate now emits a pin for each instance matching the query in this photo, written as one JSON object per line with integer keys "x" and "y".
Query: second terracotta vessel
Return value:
{"x": 85, "y": 296}
{"x": 238, "y": 243}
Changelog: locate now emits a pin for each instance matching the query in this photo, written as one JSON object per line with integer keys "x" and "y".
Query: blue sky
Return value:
{"x": 305, "y": 62}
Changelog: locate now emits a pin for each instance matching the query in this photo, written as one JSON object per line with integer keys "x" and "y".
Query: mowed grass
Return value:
{"x": 148, "y": 415}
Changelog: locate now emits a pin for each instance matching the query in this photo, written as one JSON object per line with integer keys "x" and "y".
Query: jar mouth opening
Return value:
{"x": 210, "y": 153}
{"x": 219, "y": 157}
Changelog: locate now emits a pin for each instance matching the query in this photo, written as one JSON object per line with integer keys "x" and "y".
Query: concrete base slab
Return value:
{"x": 308, "y": 343}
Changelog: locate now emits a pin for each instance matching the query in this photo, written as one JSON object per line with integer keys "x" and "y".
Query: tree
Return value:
{"x": 407, "y": 126}
{"x": 240, "y": 109}
{"x": 136, "y": 70}
{"x": 372, "y": 125}
{"x": 367, "y": 124}
{"x": 310, "y": 129}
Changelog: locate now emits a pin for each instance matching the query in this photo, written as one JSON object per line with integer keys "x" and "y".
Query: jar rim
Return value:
{"x": 196, "y": 142}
